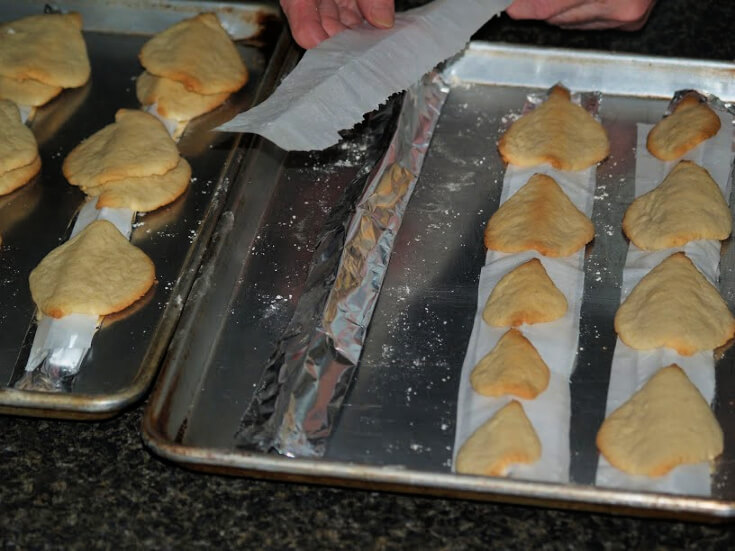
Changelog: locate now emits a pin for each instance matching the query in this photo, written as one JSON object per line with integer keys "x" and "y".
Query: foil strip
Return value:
{"x": 302, "y": 389}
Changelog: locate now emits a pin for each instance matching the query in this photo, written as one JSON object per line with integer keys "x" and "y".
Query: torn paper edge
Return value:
{"x": 631, "y": 369}
{"x": 556, "y": 342}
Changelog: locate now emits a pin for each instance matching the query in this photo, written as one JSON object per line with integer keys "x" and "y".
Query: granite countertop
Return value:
{"x": 93, "y": 484}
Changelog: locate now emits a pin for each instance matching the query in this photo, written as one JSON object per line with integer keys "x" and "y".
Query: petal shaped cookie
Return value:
{"x": 27, "y": 92}
{"x": 540, "y": 217}
{"x": 513, "y": 366}
{"x": 507, "y": 438}
{"x": 557, "y": 132}
{"x": 13, "y": 179}
{"x": 687, "y": 205}
{"x": 524, "y": 295}
{"x": 143, "y": 194}
{"x": 18, "y": 146}
{"x": 48, "y": 48}
{"x": 97, "y": 272}
{"x": 690, "y": 123}
{"x": 135, "y": 145}
{"x": 674, "y": 306}
{"x": 198, "y": 53}
{"x": 665, "y": 424}
{"x": 173, "y": 100}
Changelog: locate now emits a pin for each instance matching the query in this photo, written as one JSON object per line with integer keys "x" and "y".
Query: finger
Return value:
{"x": 329, "y": 14}
{"x": 306, "y": 24}
{"x": 540, "y": 9}
{"x": 350, "y": 16}
{"x": 379, "y": 13}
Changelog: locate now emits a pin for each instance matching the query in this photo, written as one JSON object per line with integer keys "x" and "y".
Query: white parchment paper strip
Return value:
{"x": 556, "y": 342}
{"x": 631, "y": 368}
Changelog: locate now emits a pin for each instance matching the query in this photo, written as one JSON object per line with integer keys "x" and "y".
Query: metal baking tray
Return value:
{"x": 127, "y": 349}
{"x": 396, "y": 427}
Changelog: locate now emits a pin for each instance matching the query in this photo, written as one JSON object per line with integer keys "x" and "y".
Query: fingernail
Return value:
{"x": 382, "y": 17}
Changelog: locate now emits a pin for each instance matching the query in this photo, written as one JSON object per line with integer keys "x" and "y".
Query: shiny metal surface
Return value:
{"x": 396, "y": 427}
{"x": 128, "y": 348}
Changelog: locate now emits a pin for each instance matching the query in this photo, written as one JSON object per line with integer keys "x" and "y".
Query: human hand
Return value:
{"x": 312, "y": 21}
{"x": 624, "y": 15}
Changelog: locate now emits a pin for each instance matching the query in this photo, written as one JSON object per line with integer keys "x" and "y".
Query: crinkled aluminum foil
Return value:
{"x": 303, "y": 386}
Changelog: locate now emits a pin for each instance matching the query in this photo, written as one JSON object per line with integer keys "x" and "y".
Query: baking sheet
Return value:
{"x": 129, "y": 345}
{"x": 396, "y": 427}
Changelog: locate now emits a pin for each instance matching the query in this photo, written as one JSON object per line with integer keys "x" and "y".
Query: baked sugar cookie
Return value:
{"x": 674, "y": 306}
{"x": 524, "y": 295}
{"x": 506, "y": 439}
{"x": 665, "y": 424}
{"x": 540, "y": 217}
{"x": 27, "y": 92}
{"x": 557, "y": 132}
{"x": 687, "y": 205}
{"x": 198, "y": 53}
{"x": 173, "y": 100}
{"x": 513, "y": 366}
{"x": 135, "y": 145}
{"x": 18, "y": 146}
{"x": 97, "y": 272}
{"x": 47, "y": 48}
{"x": 691, "y": 122}
{"x": 143, "y": 194}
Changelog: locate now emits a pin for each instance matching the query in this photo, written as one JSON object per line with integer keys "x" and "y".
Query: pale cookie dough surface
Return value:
{"x": 524, "y": 295}
{"x": 173, "y": 100}
{"x": 513, "y": 366}
{"x": 507, "y": 438}
{"x": 27, "y": 92}
{"x": 540, "y": 217}
{"x": 198, "y": 53}
{"x": 135, "y": 145}
{"x": 143, "y": 194}
{"x": 48, "y": 48}
{"x": 665, "y": 424}
{"x": 691, "y": 123}
{"x": 674, "y": 306}
{"x": 13, "y": 179}
{"x": 97, "y": 272}
{"x": 557, "y": 132}
{"x": 686, "y": 206}
{"x": 18, "y": 146}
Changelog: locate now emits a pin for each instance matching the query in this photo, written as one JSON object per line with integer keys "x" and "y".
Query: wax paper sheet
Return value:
{"x": 631, "y": 368}
{"x": 556, "y": 341}
{"x": 355, "y": 71}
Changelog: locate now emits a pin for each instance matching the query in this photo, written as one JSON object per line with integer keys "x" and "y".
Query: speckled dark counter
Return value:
{"x": 82, "y": 485}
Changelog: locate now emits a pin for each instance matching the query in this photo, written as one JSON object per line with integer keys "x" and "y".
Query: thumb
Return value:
{"x": 379, "y": 13}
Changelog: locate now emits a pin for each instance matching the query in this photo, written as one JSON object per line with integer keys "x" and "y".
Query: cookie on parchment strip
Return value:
{"x": 173, "y": 100}
{"x": 97, "y": 272}
{"x": 135, "y": 145}
{"x": 513, "y": 366}
{"x": 686, "y": 206}
{"x": 524, "y": 295}
{"x": 18, "y": 177}
{"x": 507, "y": 438}
{"x": 18, "y": 146}
{"x": 145, "y": 193}
{"x": 557, "y": 132}
{"x": 540, "y": 217}
{"x": 48, "y": 48}
{"x": 691, "y": 122}
{"x": 27, "y": 92}
{"x": 674, "y": 306}
{"x": 665, "y": 424}
{"x": 198, "y": 53}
